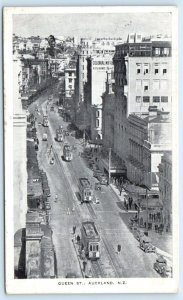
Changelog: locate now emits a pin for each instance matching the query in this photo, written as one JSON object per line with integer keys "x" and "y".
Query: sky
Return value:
{"x": 92, "y": 25}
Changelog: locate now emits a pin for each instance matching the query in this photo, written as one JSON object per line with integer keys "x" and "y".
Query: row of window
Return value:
{"x": 156, "y": 51}
{"x": 157, "y": 84}
{"x": 157, "y": 68}
{"x": 102, "y": 63}
{"x": 155, "y": 99}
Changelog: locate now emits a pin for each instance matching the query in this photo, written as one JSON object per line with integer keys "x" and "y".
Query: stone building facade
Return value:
{"x": 165, "y": 189}
{"x": 142, "y": 73}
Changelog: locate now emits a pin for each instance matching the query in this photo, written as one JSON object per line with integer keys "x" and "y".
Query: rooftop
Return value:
{"x": 89, "y": 229}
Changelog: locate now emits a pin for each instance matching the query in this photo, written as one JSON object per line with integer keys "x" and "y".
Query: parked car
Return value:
{"x": 103, "y": 180}
{"x": 139, "y": 234}
{"x": 96, "y": 173}
{"x": 162, "y": 268}
{"x": 146, "y": 245}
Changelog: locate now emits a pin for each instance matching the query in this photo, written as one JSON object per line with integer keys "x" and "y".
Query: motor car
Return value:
{"x": 162, "y": 267}
{"x": 97, "y": 200}
{"x": 103, "y": 179}
{"x": 96, "y": 173}
{"x": 98, "y": 186}
{"x": 52, "y": 161}
{"x": 139, "y": 234}
{"x": 67, "y": 133}
{"x": 146, "y": 245}
{"x": 47, "y": 206}
{"x": 39, "y": 124}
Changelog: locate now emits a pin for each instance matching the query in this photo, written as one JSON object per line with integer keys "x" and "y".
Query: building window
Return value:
{"x": 146, "y": 85}
{"x": 146, "y": 69}
{"x": 97, "y": 113}
{"x": 164, "y": 71}
{"x": 164, "y": 84}
{"x": 146, "y": 99}
{"x": 166, "y": 51}
{"x": 97, "y": 123}
{"x": 156, "y": 84}
{"x": 138, "y": 84}
{"x": 138, "y": 68}
{"x": 70, "y": 80}
{"x": 164, "y": 99}
{"x": 157, "y": 51}
{"x": 156, "y": 71}
{"x": 156, "y": 99}
{"x": 70, "y": 86}
{"x": 70, "y": 73}
{"x": 138, "y": 99}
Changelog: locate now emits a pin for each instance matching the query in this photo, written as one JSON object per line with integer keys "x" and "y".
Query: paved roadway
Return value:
{"x": 63, "y": 179}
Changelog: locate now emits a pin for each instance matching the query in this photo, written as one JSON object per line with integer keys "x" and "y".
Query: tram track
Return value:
{"x": 96, "y": 265}
{"x": 97, "y": 269}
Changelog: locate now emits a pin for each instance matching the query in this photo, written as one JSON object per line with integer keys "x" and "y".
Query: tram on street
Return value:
{"x": 45, "y": 121}
{"x": 59, "y": 135}
{"x": 85, "y": 190}
{"x": 90, "y": 240}
{"x": 67, "y": 152}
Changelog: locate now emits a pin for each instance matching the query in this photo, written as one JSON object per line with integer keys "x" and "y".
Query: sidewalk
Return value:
{"x": 162, "y": 242}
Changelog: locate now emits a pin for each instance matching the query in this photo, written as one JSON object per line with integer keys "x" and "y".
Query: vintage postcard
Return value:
{"x": 91, "y": 149}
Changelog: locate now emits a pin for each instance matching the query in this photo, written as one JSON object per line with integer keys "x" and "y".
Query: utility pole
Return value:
{"x": 84, "y": 138}
{"x": 147, "y": 208}
{"x": 109, "y": 171}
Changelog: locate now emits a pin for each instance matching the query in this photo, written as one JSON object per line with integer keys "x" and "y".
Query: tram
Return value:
{"x": 90, "y": 240}
{"x": 67, "y": 153}
{"x": 85, "y": 190}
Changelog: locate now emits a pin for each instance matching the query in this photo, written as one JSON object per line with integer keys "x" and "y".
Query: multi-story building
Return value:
{"x": 34, "y": 72}
{"x": 70, "y": 77}
{"x": 97, "y": 69}
{"x": 149, "y": 137}
{"x": 89, "y": 47}
{"x": 142, "y": 72}
{"x": 165, "y": 189}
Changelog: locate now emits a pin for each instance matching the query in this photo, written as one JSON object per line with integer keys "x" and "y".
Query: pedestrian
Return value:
{"x": 84, "y": 265}
{"x": 74, "y": 229}
{"x": 68, "y": 211}
{"x": 118, "y": 248}
{"x": 78, "y": 239}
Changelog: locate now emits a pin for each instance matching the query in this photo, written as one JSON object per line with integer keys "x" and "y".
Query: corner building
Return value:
{"x": 142, "y": 73}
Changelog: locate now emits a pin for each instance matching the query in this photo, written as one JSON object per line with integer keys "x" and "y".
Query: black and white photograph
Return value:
{"x": 91, "y": 149}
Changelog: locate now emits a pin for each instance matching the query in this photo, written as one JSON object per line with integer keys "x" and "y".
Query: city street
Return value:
{"x": 67, "y": 212}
